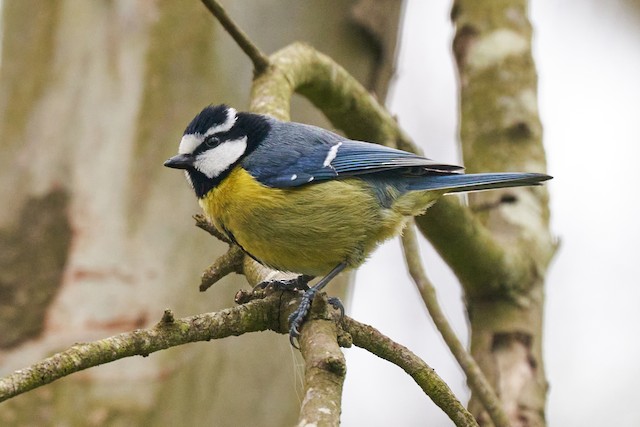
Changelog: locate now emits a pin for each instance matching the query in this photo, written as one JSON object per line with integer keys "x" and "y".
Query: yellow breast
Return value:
{"x": 308, "y": 229}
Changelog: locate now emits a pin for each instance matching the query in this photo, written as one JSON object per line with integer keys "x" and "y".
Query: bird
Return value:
{"x": 302, "y": 199}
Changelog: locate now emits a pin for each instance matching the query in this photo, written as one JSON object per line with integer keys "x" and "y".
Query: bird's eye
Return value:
{"x": 211, "y": 141}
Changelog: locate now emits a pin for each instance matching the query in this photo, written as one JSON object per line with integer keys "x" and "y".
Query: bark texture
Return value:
{"x": 501, "y": 131}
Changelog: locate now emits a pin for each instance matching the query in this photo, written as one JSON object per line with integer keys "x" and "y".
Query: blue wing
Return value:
{"x": 313, "y": 154}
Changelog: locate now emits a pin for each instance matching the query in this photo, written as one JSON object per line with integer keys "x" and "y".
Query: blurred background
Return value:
{"x": 95, "y": 95}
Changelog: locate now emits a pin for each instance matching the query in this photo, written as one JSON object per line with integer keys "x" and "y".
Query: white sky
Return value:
{"x": 588, "y": 57}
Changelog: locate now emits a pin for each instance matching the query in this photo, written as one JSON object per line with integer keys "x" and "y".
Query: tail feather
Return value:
{"x": 477, "y": 181}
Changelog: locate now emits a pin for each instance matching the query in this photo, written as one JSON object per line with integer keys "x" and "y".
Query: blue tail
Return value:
{"x": 455, "y": 183}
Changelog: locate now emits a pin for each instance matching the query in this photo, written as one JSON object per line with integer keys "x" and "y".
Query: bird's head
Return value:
{"x": 215, "y": 141}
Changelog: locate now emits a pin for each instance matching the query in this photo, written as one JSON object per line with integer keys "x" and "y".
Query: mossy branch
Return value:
{"x": 325, "y": 365}
{"x": 258, "y": 315}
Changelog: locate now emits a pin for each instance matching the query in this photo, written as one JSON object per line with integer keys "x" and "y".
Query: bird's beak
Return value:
{"x": 181, "y": 161}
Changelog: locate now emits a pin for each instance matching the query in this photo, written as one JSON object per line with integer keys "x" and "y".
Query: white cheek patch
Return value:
{"x": 224, "y": 127}
{"x": 217, "y": 160}
{"x": 189, "y": 143}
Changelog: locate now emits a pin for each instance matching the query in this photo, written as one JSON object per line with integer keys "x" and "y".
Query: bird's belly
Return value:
{"x": 308, "y": 229}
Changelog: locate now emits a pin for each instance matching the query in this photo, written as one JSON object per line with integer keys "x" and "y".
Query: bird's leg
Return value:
{"x": 297, "y": 283}
{"x": 297, "y": 317}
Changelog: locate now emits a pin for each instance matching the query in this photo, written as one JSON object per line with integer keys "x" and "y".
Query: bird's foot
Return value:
{"x": 295, "y": 284}
{"x": 297, "y": 318}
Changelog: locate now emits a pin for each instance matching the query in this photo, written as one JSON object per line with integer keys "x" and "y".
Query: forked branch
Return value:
{"x": 325, "y": 369}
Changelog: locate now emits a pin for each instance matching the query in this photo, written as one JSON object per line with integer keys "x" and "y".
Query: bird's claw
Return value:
{"x": 337, "y": 304}
{"x": 296, "y": 319}
{"x": 297, "y": 283}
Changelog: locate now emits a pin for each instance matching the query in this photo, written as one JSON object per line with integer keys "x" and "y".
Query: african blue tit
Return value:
{"x": 302, "y": 199}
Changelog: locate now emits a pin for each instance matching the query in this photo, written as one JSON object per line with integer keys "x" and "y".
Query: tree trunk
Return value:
{"x": 500, "y": 130}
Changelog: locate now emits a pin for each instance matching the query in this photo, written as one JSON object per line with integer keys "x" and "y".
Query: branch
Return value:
{"x": 230, "y": 262}
{"x": 325, "y": 364}
{"x": 500, "y": 129}
{"x": 204, "y": 224}
{"x": 481, "y": 263}
{"x": 373, "y": 341}
{"x": 259, "y": 59}
{"x": 258, "y": 315}
{"x": 325, "y": 370}
{"x": 477, "y": 381}
{"x": 346, "y": 103}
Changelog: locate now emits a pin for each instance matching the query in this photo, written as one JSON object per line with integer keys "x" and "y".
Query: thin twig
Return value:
{"x": 477, "y": 381}
{"x": 259, "y": 59}
{"x": 230, "y": 262}
{"x": 372, "y": 340}
{"x": 203, "y": 223}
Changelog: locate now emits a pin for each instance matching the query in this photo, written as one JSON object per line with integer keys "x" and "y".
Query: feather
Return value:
{"x": 312, "y": 154}
{"x": 476, "y": 181}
